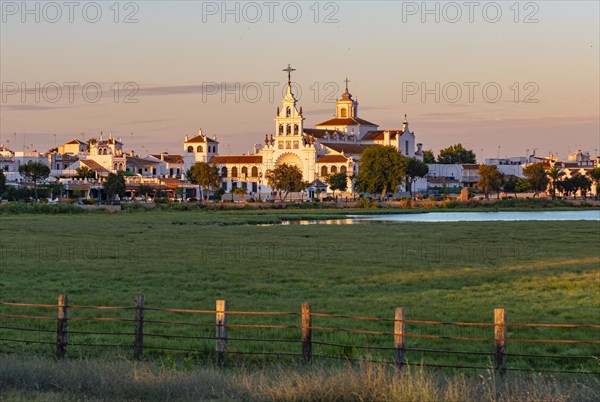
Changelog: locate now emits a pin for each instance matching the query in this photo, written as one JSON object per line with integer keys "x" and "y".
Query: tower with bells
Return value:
{"x": 346, "y": 107}
{"x": 289, "y": 121}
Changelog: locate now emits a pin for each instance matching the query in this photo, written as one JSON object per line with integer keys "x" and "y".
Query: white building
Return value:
{"x": 333, "y": 146}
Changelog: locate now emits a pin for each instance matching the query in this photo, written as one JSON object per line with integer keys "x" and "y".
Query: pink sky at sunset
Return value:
{"x": 543, "y": 58}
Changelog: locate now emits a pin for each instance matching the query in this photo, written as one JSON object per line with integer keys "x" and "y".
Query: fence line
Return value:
{"x": 398, "y": 334}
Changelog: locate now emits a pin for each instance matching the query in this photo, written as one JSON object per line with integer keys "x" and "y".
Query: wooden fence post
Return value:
{"x": 399, "y": 338}
{"x": 221, "y": 345}
{"x": 62, "y": 327}
{"x": 306, "y": 334}
{"x": 138, "y": 345}
{"x": 500, "y": 340}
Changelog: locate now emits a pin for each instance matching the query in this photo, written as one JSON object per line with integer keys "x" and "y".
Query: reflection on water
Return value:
{"x": 316, "y": 222}
{"x": 456, "y": 217}
{"x": 486, "y": 216}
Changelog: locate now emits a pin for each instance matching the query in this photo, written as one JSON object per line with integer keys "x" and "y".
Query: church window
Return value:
{"x": 406, "y": 148}
{"x": 223, "y": 171}
{"x": 190, "y": 149}
{"x": 234, "y": 172}
{"x": 199, "y": 149}
{"x": 289, "y": 129}
{"x": 288, "y": 145}
{"x": 343, "y": 169}
{"x": 295, "y": 129}
{"x": 116, "y": 166}
{"x": 281, "y": 129}
{"x": 296, "y": 144}
{"x": 280, "y": 144}
{"x": 254, "y": 171}
{"x": 288, "y": 112}
{"x": 324, "y": 171}
{"x": 343, "y": 112}
{"x": 333, "y": 169}
{"x": 244, "y": 171}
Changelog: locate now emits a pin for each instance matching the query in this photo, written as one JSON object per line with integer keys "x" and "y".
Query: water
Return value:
{"x": 593, "y": 215}
{"x": 485, "y": 216}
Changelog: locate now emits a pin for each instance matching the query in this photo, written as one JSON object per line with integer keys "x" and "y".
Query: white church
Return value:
{"x": 333, "y": 146}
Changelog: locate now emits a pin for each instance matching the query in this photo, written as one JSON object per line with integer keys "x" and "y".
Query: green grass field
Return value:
{"x": 541, "y": 272}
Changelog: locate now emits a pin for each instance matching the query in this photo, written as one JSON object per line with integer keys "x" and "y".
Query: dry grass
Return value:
{"x": 35, "y": 378}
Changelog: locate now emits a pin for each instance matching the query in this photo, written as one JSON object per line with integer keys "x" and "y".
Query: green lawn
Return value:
{"x": 541, "y": 272}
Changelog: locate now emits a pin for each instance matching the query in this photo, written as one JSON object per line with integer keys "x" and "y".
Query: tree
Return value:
{"x": 536, "y": 175}
{"x": 2, "y": 183}
{"x": 85, "y": 172}
{"x": 35, "y": 172}
{"x": 595, "y": 176}
{"x": 338, "y": 181}
{"x": 206, "y": 176}
{"x": 114, "y": 185}
{"x": 510, "y": 184}
{"x": 554, "y": 174}
{"x": 414, "y": 169}
{"x": 566, "y": 186}
{"x": 56, "y": 189}
{"x": 285, "y": 178}
{"x": 89, "y": 143}
{"x": 490, "y": 179}
{"x": 381, "y": 170}
{"x": 428, "y": 156}
{"x": 582, "y": 183}
{"x": 514, "y": 184}
{"x": 523, "y": 185}
{"x": 456, "y": 154}
{"x": 144, "y": 190}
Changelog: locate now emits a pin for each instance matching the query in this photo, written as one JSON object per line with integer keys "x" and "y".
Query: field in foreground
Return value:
{"x": 35, "y": 379}
{"x": 541, "y": 272}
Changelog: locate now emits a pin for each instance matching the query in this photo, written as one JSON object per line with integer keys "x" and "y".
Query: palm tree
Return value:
{"x": 554, "y": 174}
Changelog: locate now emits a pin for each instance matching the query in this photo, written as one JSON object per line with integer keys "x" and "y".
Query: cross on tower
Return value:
{"x": 289, "y": 70}
{"x": 347, "y": 81}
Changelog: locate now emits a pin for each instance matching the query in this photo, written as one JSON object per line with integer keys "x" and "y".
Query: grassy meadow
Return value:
{"x": 541, "y": 272}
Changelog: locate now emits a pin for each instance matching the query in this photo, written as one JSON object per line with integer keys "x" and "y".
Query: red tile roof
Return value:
{"x": 348, "y": 147}
{"x": 378, "y": 135}
{"x": 75, "y": 142}
{"x": 200, "y": 139}
{"x": 347, "y": 121}
{"x": 332, "y": 159}
{"x": 170, "y": 158}
{"x": 95, "y": 166}
{"x": 236, "y": 159}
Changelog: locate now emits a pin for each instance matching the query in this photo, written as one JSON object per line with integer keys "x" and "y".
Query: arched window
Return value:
{"x": 234, "y": 172}
{"x": 281, "y": 129}
{"x": 116, "y": 166}
{"x": 333, "y": 169}
{"x": 254, "y": 171}
{"x": 296, "y": 144}
{"x": 245, "y": 171}
{"x": 343, "y": 169}
{"x": 223, "y": 171}
{"x": 190, "y": 149}
{"x": 406, "y": 147}
{"x": 288, "y": 145}
{"x": 288, "y": 112}
{"x": 324, "y": 171}
{"x": 295, "y": 129}
{"x": 343, "y": 112}
{"x": 289, "y": 129}
{"x": 280, "y": 144}
{"x": 199, "y": 149}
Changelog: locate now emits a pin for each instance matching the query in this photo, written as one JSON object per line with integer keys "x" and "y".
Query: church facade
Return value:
{"x": 333, "y": 146}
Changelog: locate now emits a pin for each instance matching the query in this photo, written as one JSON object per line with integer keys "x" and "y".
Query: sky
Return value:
{"x": 502, "y": 78}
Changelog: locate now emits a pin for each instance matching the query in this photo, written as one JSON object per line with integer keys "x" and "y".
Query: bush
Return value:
{"x": 89, "y": 201}
{"x": 366, "y": 203}
{"x": 15, "y": 208}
